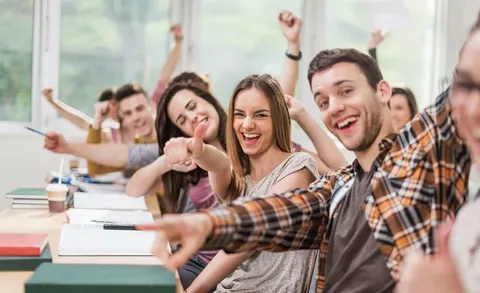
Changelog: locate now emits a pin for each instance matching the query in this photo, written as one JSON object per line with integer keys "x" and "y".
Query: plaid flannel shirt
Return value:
{"x": 421, "y": 178}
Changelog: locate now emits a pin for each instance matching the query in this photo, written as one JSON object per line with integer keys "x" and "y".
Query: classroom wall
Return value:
{"x": 24, "y": 162}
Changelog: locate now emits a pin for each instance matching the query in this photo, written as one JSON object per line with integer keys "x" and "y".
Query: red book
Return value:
{"x": 16, "y": 244}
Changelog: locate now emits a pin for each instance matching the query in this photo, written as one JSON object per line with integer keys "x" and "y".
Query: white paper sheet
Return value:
{"x": 386, "y": 15}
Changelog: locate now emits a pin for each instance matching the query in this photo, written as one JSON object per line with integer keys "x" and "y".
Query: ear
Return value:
{"x": 384, "y": 91}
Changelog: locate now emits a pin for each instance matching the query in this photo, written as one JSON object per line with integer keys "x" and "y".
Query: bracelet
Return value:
{"x": 178, "y": 38}
{"x": 294, "y": 57}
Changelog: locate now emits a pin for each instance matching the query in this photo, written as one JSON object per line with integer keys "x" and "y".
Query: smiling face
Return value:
{"x": 186, "y": 110}
{"x": 400, "y": 111}
{"x": 350, "y": 107}
{"x": 466, "y": 94}
{"x": 136, "y": 114}
{"x": 252, "y": 122}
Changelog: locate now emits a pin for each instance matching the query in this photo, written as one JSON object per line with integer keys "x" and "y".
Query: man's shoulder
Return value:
{"x": 334, "y": 177}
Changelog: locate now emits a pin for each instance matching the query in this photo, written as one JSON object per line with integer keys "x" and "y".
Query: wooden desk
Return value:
{"x": 41, "y": 221}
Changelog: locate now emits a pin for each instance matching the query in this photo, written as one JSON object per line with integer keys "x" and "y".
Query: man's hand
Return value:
{"x": 431, "y": 274}
{"x": 48, "y": 93}
{"x": 291, "y": 26}
{"x": 190, "y": 230}
{"x": 177, "y": 32}
{"x": 376, "y": 39}
{"x": 295, "y": 108}
{"x": 56, "y": 143}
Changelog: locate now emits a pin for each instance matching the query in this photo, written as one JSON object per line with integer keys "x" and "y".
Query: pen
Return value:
{"x": 109, "y": 225}
{"x": 119, "y": 227}
{"x": 34, "y": 130}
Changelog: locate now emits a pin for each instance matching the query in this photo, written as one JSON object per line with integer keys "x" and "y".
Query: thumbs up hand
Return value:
{"x": 180, "y": 150}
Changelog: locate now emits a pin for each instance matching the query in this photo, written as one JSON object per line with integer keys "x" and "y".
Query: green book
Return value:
{"x": 80, "y": 278}
{"x": 27, "y": 193}
{"x": 24, "y": 263}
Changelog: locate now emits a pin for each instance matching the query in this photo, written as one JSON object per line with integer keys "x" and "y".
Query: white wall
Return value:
{"x": 24, "y": 163}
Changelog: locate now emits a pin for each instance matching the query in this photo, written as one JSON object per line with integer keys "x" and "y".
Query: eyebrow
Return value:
{"x": 188, "y": 104}
{"x": 256, "y": 112}
{"x": 319, "y": 93}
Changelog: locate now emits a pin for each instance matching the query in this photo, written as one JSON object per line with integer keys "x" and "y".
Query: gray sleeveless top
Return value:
{"x": 273, "y": 271}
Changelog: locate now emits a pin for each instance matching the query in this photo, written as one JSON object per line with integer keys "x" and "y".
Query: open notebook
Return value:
{"x": 108, "y": 201}
{"x": 83, "y": 236}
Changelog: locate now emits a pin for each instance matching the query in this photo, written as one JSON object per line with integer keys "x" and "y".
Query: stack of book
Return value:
{"x": 32, "y": 198}
{"x": 23, "y": 252}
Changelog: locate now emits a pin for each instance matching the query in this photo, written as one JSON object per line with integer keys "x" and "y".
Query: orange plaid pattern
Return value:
{"x": 421, "y": 178}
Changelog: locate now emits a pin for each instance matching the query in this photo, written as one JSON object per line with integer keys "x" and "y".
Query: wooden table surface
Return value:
{"x": 41, "y": 221}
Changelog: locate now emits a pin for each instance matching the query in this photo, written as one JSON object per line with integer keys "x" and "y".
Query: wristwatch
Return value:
{"x": 294, "y": 57}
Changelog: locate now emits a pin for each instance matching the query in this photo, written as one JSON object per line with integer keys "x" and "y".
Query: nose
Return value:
{"x": 336, "y": 106}
{"x": 247, "y": 123}
{"x": 192, "y": 117}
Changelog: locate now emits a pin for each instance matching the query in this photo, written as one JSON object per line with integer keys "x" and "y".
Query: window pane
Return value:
{"x": 16, "y": 42}
{"x": 404, "y": 56}
{"x": 239, "y": 38}
{"x": 122, "y": 41}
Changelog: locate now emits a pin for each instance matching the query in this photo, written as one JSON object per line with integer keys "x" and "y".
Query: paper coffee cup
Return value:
{"x": 57, "y": 195}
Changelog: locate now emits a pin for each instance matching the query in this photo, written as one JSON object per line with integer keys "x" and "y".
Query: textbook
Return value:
{"x": 62, "y": 278}
{"x": 25, "y": 263}
{"x": 20, "y": 244}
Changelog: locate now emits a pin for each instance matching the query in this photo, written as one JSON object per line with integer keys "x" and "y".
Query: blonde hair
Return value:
{"x": 240, "y": 161}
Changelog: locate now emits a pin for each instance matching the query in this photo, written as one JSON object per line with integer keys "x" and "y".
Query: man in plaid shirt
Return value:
{"x": 365, "y": 217}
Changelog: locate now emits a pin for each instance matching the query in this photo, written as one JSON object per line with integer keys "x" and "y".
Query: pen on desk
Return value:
{"x": 110, "y": 225}
{"x": 119, "y": 227}
{"x": 34, "y": 130}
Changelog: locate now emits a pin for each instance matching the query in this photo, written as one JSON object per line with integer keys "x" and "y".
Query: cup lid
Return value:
{"x": 57, "y": 187}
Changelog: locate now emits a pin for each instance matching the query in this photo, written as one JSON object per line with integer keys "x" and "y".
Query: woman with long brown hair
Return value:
{"x": 186, "y": 187}
{"x": 259, "y": 162}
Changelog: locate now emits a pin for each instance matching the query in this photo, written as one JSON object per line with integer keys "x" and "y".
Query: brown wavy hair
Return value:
{"x": 240, "y": 161}
{"x": 174, "y": 183}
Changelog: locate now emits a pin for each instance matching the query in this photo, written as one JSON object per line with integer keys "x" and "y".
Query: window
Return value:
{"x": 239, "y": 38}
{"x": 16, "y": 43}
{"x": 405, "y": 56}
{"x": 122, "y": 41}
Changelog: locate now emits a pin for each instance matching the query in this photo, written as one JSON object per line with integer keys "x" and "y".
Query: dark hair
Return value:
{"x": 107, "y": 95}
{"x": 411, "y": 101}
{"x": 174, "y": 182}
{"x": 128, "y": 90}
{"x": 191, "y": 77}
{"x": 328, "y": 58}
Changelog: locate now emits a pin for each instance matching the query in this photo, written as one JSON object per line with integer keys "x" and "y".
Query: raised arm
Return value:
{"x": 328, "y": 155}
{"x": 80, "y": 119}
{"x": 207, "y": 157}
{"x": 375, "y": 40}
{"x": 291, "y": 26}
{"x": 170, "y": 64}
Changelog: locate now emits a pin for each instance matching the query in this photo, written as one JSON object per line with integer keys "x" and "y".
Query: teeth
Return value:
{"x": 346, "y": 122}
{"x": 251, "y": 135}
